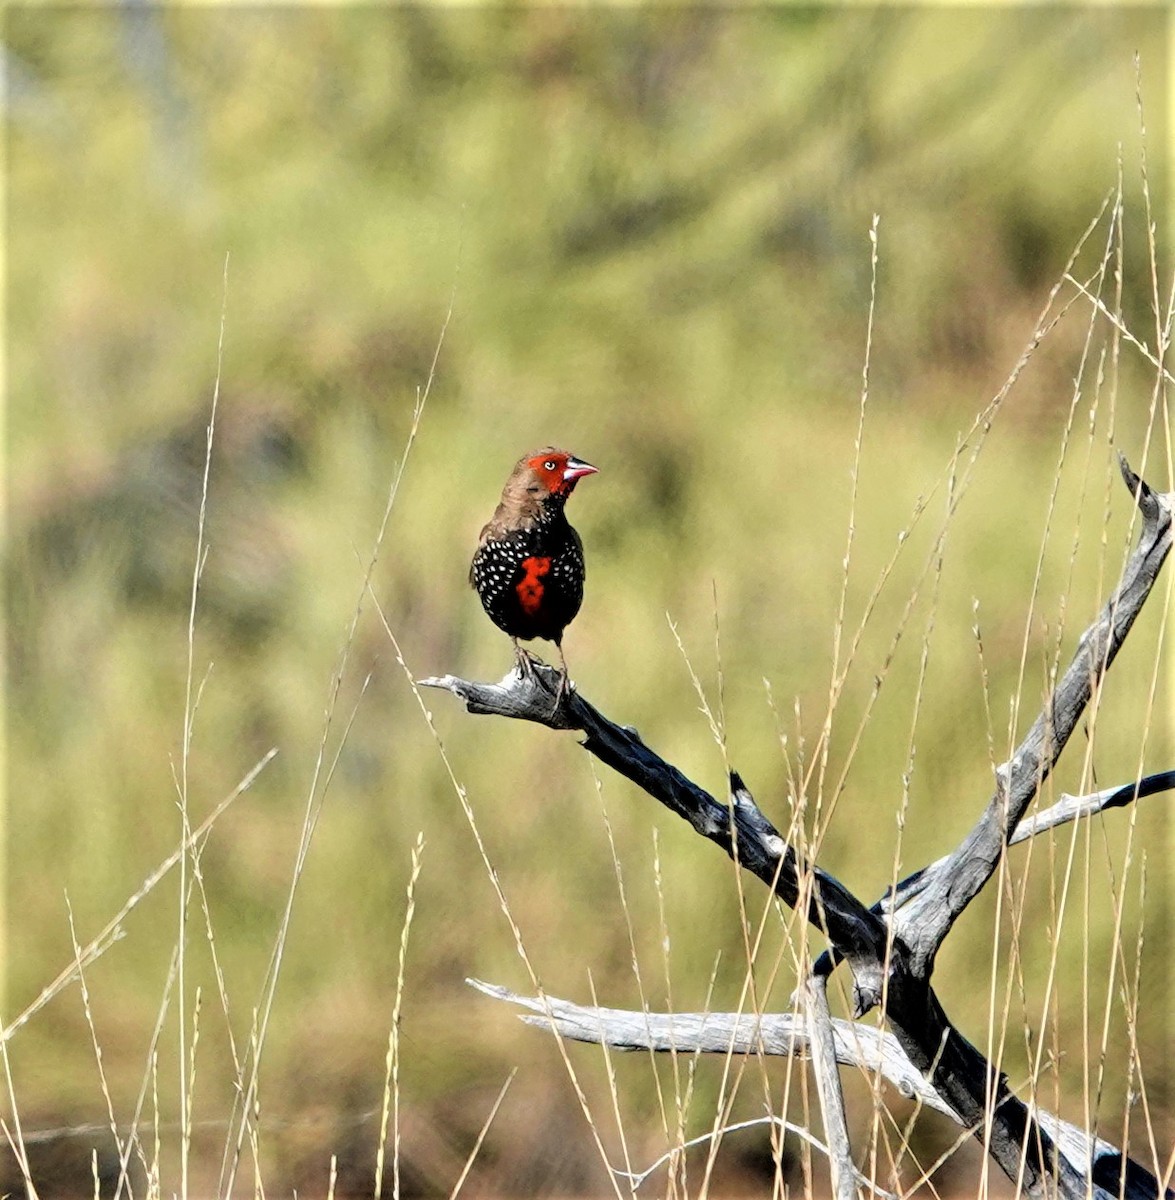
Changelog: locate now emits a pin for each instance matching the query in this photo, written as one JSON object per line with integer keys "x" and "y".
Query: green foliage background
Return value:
{"x": 653, "y": 225}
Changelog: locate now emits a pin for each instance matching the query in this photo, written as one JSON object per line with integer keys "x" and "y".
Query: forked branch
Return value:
{"x": 957, "y": 1072}
{"x": 928, "y": 918}
{"x": 1067, "y": 809}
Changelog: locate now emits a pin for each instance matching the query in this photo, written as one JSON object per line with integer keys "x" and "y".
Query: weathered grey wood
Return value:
{"x": 786, "y": 1034}
{"x": 523, "y": 697}
{"x": 822, "y": 1047}
{"x": 1068, "y": 808}
{"x": 957, "y": 1071}
{"x": 1075, "y": 808}
{"x": 926, "y": 920}
{"x": 775, "y": 1034}
{"x": 857, "y": 933}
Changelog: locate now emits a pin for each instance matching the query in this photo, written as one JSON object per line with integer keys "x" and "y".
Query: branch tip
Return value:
{"x": 1143, "y": 494}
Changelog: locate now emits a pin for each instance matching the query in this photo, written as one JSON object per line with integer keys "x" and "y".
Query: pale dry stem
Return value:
{"x": 481, "y": 1136}
{"x": 13, "y": 1134}
{"x": 634, "y": 959}
{"x": 94, "y": 1042}
{"x": 191, "y": 703}
{"x": 112, "y": 931}
{"x": 837, "y": 679}
{"x": 391, "y": 1090}
{"x": 133, "y": 1139}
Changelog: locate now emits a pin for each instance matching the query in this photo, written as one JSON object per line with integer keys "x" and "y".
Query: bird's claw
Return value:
{"x": 525, "y": 661}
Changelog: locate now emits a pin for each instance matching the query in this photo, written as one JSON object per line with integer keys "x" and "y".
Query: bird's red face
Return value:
{"x": 559, "y": 471}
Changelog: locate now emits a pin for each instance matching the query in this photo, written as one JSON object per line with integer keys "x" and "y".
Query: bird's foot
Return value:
{"x": 562, "y": 691}
{"x": 565, "y": 687}
{"x": 526, "y": 663}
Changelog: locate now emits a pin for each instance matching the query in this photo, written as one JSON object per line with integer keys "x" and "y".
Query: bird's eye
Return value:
{"x": 549, "y": 465}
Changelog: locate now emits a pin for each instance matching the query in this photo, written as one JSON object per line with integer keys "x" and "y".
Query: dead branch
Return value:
{"x": 1068, "y": 808}
{"x": 775, "y": 1034}
{"x": 957, "y": 1069}
{"x": 785, "y": 1034}
{"x": 822, "y": 1047}
{"x": 859, "y": 935}
{"x": 960, "y": 1075}
{"x": 928, "y": 918}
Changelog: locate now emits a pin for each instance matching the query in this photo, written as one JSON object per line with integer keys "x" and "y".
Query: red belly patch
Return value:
{"x": 530, "y": 586}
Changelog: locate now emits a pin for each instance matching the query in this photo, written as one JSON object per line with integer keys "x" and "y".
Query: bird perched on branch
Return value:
{"x": 528, "y": 569}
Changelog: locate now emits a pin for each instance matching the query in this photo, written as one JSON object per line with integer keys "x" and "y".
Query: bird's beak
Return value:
{"x": 576, "y": 470}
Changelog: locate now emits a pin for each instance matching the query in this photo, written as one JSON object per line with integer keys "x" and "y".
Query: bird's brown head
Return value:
{"x": 551, "y": 472}
{"x": 537, "y": 489}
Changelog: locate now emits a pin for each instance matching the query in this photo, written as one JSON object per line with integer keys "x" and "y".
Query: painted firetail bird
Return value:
{"x": 528, "y": 569}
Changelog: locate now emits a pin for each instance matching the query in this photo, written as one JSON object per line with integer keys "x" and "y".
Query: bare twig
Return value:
{"x": 1068, "y": 808}
{"x": 636, "y": 1178}
{"x": 818, "y": 1020}
{"x": 855, "y": 1045}
{"x": 775, "y": 1034}
{"x": 928, "y": 918}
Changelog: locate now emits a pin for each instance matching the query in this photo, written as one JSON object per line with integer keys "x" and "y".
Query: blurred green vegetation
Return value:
{"x": 653, "y": 225}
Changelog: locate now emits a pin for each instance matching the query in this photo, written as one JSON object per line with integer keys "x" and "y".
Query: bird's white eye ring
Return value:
{"x": 549, "y": 465}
